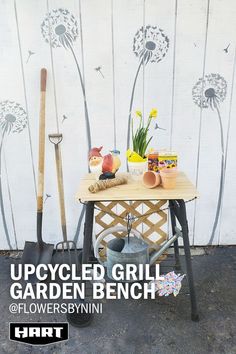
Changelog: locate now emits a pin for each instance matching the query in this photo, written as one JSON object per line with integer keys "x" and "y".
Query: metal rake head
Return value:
{"x": 68, "y": 251}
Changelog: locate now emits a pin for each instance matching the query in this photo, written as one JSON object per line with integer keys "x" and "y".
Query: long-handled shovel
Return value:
{"x": 69, "y": 246}
{"x": 39, "y": 252}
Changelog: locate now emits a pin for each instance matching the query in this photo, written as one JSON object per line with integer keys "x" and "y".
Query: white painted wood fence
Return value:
{"x": 104, "y": 42}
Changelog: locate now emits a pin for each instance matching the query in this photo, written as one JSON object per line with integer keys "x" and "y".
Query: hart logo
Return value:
{"x": 39, "y": 333}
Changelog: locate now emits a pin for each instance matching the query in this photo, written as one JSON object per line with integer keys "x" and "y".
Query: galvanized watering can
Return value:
{"x": 129, "y": 250}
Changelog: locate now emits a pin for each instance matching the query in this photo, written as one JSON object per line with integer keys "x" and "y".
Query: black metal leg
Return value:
{"x": 88, "y": 232}
{"x": 176, "y": 243}
{"x": 184, "y": 225}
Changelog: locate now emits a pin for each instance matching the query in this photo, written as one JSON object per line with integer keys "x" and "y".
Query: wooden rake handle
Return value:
{"x": 56, "y": 139}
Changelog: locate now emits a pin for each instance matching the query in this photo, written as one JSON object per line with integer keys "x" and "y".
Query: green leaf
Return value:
{"x": 140, "y": 142}
{"x": 148, "y": 142}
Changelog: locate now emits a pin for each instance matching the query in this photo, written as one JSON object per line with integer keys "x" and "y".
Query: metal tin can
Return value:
{"x": 167, "y": 159}
{"x": 153, "y": 161}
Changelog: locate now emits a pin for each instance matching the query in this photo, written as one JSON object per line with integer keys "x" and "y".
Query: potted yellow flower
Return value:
{"x": 137, "y": 159}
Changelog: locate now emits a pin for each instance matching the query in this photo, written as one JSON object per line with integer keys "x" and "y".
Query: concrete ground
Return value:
{"x": 147, "y": 326}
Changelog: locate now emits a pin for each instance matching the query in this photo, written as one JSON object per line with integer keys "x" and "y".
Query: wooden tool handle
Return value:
{"x": 43, "y": 79}
{"x": 61, "y": 190}
{"x": 55, "y": 138}
{"x": 41, "y": 157}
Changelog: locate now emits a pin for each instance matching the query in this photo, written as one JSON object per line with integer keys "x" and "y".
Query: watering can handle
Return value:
{"x": 110, "y": 231}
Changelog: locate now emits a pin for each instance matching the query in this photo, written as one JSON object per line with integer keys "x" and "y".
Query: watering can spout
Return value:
{"x": 157, "y": 254}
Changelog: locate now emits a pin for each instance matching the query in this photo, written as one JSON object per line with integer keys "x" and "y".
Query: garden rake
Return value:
{"x": 64, "y": 245}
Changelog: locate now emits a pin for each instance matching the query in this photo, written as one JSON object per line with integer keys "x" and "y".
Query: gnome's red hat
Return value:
{"x": 95, "y": 152}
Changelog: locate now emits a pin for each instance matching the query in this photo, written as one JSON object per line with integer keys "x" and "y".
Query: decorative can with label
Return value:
{"x": 167, "y": 159}
{"x": 153, "y": 161}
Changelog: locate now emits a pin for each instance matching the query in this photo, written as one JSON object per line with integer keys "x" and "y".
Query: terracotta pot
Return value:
{"x": 151, "y": 179}
{"x": 168, "y": 178}
{"x": 136, "y": 169}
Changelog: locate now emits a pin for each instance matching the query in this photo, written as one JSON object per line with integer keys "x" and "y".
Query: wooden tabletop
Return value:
{"x": 134, "y": 190}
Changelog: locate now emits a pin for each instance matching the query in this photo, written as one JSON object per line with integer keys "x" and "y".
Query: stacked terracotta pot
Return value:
{"x": 167, "y": 178}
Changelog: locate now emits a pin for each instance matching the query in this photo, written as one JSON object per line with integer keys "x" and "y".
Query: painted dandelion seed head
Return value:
{"x": 60, "y": 28}
{"x": 150, "y": 44}
{"x": 209, "y": 91}
{"x": 13, "y": 117}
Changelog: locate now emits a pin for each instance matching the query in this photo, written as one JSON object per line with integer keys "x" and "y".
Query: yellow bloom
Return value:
{"x": 139, "y": 114}
{"x": 153, "y": 113}
{"x": 155, "y": 168}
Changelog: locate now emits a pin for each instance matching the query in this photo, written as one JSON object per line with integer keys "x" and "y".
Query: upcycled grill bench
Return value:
{"x": 130, "y": 198}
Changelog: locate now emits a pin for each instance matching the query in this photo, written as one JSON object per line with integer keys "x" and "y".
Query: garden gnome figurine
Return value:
{"x": 104, "y": 167}
{"x": 95, "y": 161}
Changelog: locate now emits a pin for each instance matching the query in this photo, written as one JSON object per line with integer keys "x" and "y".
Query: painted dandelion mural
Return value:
{"x": 150, "y": 46}
{"x": 210, "y": 92}
{"x": 60, "y": 29}
{"x": 13, "y": 119}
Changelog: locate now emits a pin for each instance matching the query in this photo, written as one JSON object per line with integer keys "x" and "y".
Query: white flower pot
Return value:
{"x": 136, "y": 169}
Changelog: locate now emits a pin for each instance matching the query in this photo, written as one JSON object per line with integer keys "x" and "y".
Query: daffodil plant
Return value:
{"x": 140, "y": 136}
